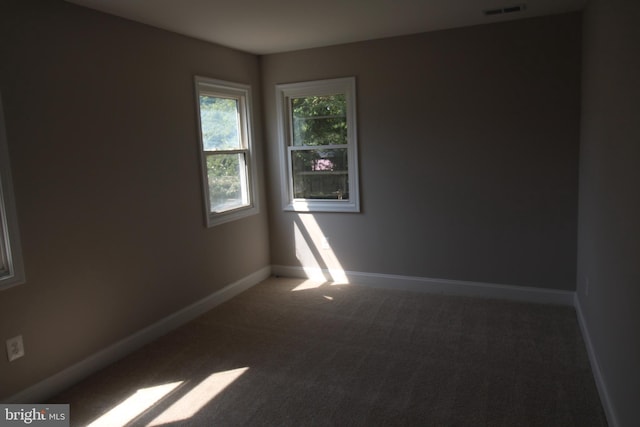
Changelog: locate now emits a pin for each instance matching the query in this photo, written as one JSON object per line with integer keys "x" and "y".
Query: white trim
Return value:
{"x": 59, "y": 382}
{"x": 440, "y": 286}
{"x": 607, "y": 402}
{"x": 346, "y": 85}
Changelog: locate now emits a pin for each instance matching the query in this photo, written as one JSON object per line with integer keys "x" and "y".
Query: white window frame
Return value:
{"x": 241, "y": 93}
{"x": 284, "y": 94}
{"x": 11, "y": 265}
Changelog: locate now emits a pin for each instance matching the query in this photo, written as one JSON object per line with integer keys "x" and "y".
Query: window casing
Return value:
{"x": 318, "y": 143}
{"x": 226, "y": 147}
{"x": 11, "y": 266}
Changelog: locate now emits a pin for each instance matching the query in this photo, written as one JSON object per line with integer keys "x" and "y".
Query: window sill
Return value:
{"x": 322, "y": 206}
{"x": 214, "y": 219}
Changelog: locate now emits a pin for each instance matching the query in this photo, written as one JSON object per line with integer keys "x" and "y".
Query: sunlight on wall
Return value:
{"x": 134, "y": 405}
{"x": 198, "y": 397}
{"x": 315, "y": 254}
{"x": 304, "y": 254}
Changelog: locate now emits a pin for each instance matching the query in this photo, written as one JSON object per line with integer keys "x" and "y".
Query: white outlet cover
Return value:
{"x": 15, "y": 348}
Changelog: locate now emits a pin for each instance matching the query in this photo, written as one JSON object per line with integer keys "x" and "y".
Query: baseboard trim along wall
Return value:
{"x": 440, "y": 286}
{"x": 59, "y": 382}
{"x": 605, "y": 399}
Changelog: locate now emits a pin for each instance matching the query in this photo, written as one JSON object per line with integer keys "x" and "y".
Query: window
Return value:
{"x": 11, "y": 268}
{"x": 228, "y": 166}
{"x": 318, "y": 145}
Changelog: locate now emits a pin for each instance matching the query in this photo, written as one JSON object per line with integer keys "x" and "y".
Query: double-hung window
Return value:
{"x": 317, "y": 130}
{"x": 11, "y": 267}
{"x": 228, "y": 164}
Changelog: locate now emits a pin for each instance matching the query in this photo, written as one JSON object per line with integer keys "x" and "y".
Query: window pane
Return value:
{"x": 220, "y": 123}
{"x": 320, "y": 174}
{"x": 226, "y": 174}
{"x": 319, "y": 120}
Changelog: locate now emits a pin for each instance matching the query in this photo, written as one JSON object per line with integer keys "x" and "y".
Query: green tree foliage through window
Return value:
{"x": 221, "y": 131}
{"x": 220, "y": 123}
{"x": 225, "y": 181}
{"x": 319, "y": 120}
{"x": 319, "y": 133}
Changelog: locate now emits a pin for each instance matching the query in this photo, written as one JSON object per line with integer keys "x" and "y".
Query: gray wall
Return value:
{"x": 101, "y": 126}
{"x": 468, "y": 154}
{"x": 609, "y": 213}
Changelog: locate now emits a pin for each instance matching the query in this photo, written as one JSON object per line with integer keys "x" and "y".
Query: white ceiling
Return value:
{"x": 271, "y": 26}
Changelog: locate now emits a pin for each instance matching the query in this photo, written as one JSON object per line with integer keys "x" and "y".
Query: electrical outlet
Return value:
{"x": 15, "y": 348}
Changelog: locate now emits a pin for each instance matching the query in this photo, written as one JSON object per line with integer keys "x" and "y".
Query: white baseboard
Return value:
{"x": 59, "y": 382}
{"x": 610, "y": 413}
{"x": 440, "y": 286}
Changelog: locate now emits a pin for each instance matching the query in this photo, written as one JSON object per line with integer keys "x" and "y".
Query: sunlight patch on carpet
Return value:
{"x": 134, "y": 405}
{"x": 196, "y": 399}
{"x": 315, "y": 284}
{"x": 308, "y": 284}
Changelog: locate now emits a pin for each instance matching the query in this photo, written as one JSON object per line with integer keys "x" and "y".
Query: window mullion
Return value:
{"x": 317, "y": 147}
{"x": 238, "y": 151}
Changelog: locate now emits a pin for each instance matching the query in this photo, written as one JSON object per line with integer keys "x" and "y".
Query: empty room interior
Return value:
{"x": 406, "y": 186}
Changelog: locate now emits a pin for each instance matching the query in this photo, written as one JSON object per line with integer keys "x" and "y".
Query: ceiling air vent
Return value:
{"x": 507, "y": 9}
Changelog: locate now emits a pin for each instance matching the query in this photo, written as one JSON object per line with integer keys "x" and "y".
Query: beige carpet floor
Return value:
{"x": 287, "y": 354}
